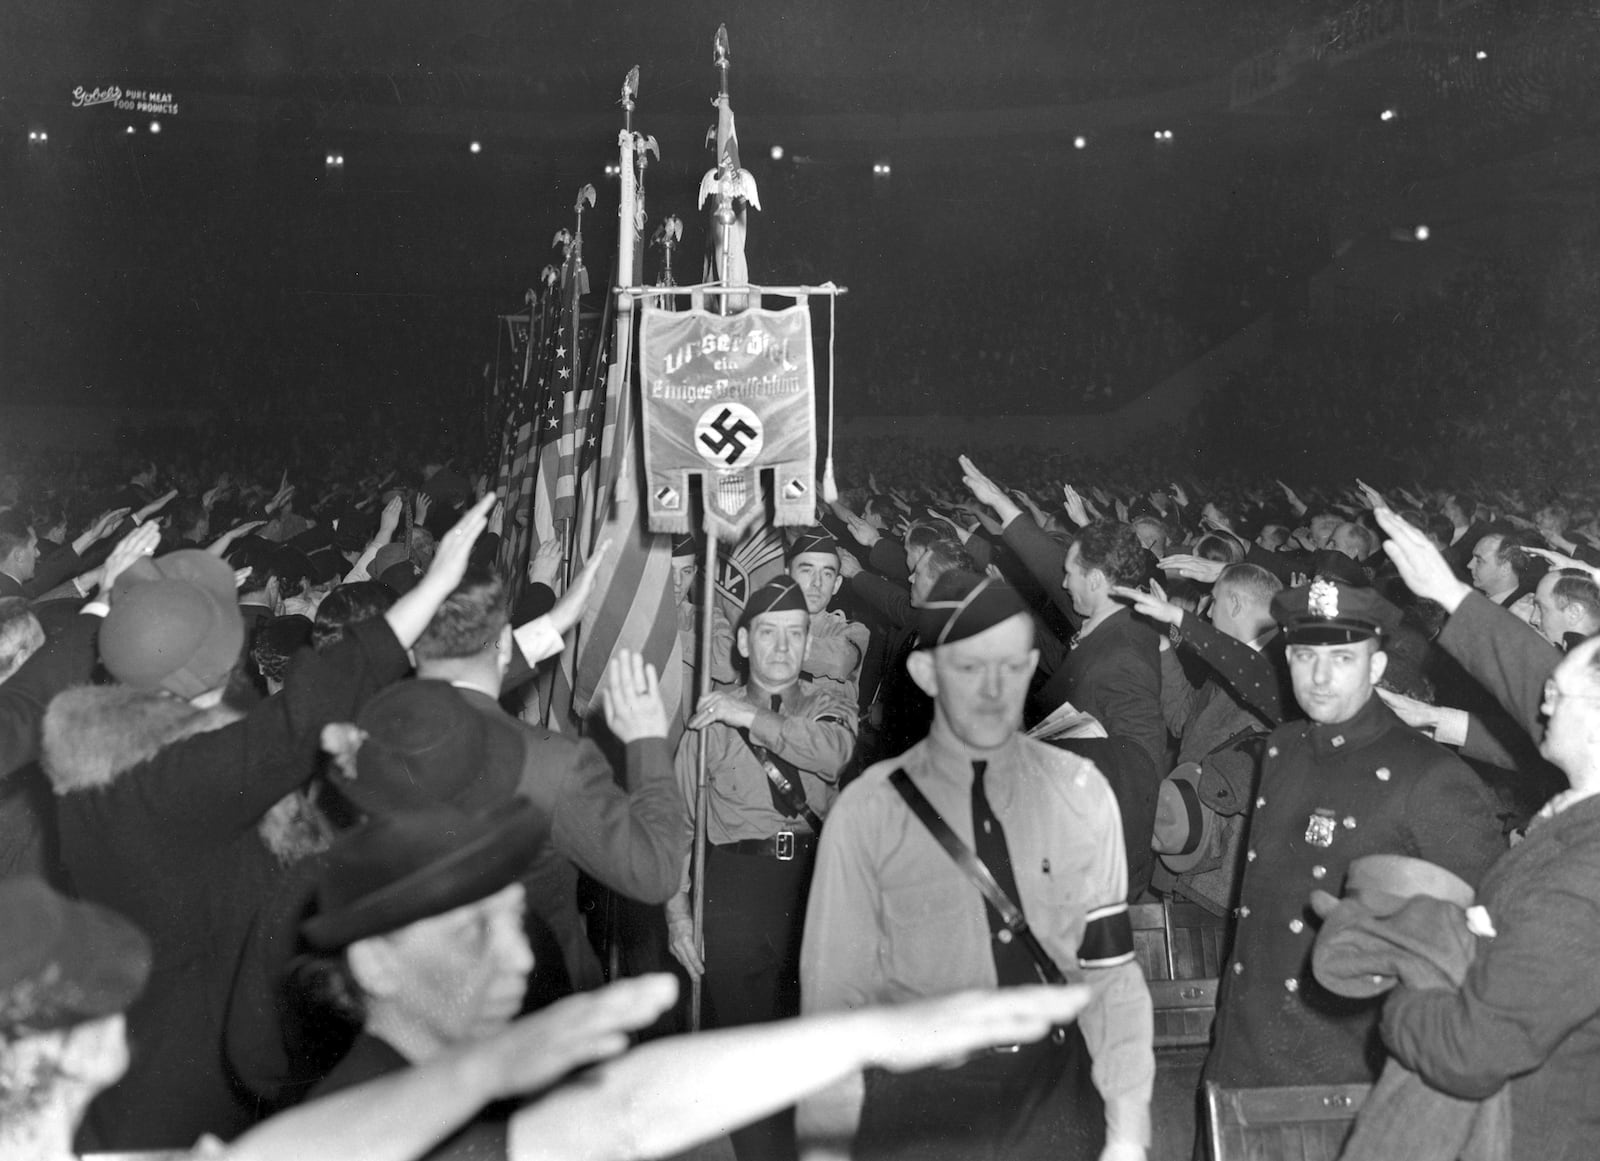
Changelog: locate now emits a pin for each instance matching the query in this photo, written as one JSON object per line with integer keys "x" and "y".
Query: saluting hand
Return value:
{"x": 1152, "y": 604}
{"x": 633, "y": 703}
{"x": 1420, "y": 564}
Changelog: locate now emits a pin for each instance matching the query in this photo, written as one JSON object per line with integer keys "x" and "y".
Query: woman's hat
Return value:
{"x": 397, "y": 869}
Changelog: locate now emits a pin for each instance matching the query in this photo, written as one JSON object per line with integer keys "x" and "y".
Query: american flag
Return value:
{"x": 591, "y": 429}
{"x": 555, "y": 500}
{"x": 632, "y": 607}
{"x": 532, "y": 408}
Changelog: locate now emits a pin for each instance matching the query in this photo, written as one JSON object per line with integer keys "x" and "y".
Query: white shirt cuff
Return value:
{"x": 537, "y": 639}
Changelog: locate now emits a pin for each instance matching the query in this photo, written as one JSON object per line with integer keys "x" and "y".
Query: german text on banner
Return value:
{"x": 725, "y": 397}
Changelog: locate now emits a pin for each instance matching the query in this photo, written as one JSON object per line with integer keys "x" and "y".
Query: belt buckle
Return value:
{"x": 785, "y": 845}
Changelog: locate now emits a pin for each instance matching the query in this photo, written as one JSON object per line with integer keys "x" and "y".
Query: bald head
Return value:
{"x": 1354, "y": 541}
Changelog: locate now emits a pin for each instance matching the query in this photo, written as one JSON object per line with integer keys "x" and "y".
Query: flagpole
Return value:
{"x": 708, "y": 585}
{"x": 726, "y": 216}
{"x": 727, "y": 180}
{"x": 627, "y": 211}
{"x": 627, "y": 207}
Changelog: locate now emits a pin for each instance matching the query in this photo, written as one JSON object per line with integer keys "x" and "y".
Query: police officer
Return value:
{"x": 773, "y": 751}
{"x": 1352, "y": 780}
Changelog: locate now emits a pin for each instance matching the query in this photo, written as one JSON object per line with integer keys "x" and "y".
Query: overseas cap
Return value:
{"x": 779, "y": 595}
{"x": 982, "y": 604}
{"x": 814, "y": 540}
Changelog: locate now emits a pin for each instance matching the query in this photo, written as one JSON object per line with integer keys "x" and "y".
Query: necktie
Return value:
{"x": 1012, "y": 964}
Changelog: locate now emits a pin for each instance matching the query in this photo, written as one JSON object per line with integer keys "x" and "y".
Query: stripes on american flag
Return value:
{"x": 632, "y": 607}
{"x": 564, "y": 504}
{"x": 516, "y": 483}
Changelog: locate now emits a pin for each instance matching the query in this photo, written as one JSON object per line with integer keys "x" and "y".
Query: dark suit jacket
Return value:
{"x": 1525, "y": 1015}
{"x": 1508, "y": 657}
{"x": 67, "y": 658}
{"x": 57, "y": 568}
{"x": 634, "y": 841}
{"x": 1115, "y": 672}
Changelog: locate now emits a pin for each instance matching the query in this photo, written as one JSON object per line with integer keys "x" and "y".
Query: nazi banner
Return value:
{"x": 724, "y": 398}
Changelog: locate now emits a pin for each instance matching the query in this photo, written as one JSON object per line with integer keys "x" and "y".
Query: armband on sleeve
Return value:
{"x": 1107, "y": 938}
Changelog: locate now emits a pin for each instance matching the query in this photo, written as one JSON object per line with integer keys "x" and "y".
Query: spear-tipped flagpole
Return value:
{"x": 730, "y": 183}
{"x": 619, "y": 386}
{"x": 727, "y": 217}
{"x": 585, "y": 198}
{"x": 668, "y": 234}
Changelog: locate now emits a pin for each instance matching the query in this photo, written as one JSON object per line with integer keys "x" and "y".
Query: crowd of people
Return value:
{"x": 287, "y": 853}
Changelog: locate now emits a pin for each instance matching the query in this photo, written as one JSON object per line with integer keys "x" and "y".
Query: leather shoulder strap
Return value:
{"x": 965, "y": 858}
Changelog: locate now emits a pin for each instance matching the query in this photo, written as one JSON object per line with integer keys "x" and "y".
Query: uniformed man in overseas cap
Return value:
{"x": 1352, "y": 780}
{"x": 837, "y": 645}
{"x": 773, "y": 751}
{"x": 687, "y": 552}
{"x": 893, "y": 917}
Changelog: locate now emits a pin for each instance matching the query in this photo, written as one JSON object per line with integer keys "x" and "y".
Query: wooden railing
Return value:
{"x": 1303, "y": 1123}
{"x": 1180, "y": 948}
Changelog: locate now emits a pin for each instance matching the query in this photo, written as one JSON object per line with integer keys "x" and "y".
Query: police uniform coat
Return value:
{"x": 1329, "y": 794}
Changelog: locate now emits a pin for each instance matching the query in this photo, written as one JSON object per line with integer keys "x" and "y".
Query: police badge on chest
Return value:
{"x": 1321, "y": 827}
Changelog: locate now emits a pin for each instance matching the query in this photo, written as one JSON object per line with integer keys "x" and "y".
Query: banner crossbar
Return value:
{"x": 827, "y": 288}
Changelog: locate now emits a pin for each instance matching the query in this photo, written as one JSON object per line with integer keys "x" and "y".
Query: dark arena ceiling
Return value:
{"x": 1028, "y": 168}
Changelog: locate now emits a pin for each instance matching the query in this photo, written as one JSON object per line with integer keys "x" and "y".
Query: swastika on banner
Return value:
{"x": 726, "y": 399}
{"x": 729, "y": 435}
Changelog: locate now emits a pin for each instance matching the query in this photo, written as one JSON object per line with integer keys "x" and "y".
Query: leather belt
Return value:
{"x": 783, "y": 846}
